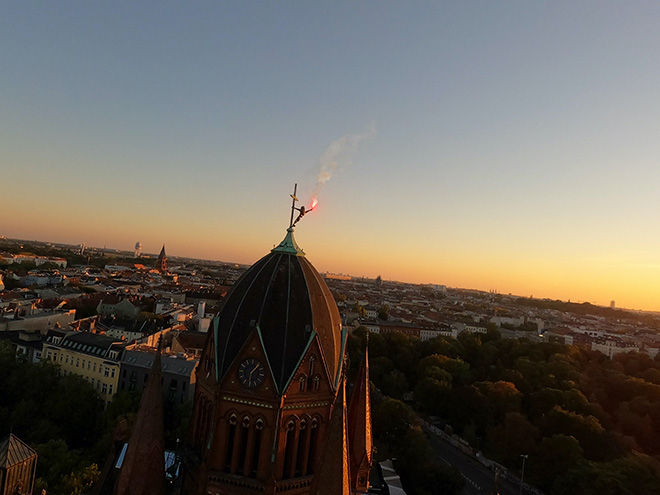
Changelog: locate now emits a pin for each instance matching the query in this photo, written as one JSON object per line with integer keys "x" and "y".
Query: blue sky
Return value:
{"x": 516, "y": 143}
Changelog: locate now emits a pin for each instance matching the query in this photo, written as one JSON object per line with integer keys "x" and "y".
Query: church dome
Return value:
{"x": 285, "y": 299}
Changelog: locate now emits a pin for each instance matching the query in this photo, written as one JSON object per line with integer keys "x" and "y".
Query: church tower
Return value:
{"x": 161, "y": 262}
{"x": 269, "y": 378}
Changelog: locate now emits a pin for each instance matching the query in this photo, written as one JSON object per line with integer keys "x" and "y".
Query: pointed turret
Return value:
{"x": 332, "y": 477}
{"x": 18, "y": 464}
{"x": 359, "y": 428}
{"x": 143, "y": 468}
{"x": 161, "y": 263}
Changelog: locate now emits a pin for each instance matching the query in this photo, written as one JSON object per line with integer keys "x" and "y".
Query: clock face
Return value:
{"x": 251, "y": 373}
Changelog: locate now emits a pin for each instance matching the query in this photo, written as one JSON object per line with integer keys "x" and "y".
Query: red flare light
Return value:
{"x": 314, "y": 203}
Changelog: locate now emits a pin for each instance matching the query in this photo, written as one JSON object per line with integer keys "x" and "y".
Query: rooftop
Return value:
{"x": 14, "y": 451}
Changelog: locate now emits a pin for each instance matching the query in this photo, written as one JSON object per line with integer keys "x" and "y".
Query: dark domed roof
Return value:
{"x": 286, "y": 300}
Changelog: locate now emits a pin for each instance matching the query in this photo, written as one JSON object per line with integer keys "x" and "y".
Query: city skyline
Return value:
{"x": 496, "y": 147}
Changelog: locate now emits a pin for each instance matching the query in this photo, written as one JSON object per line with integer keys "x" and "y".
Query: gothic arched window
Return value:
{"x": 301, "y": 457}
{"x": 256, "y": 446}
{"x": 290, "y": 449}
{"x": 313, "y": 445}
{"x": 242, "y": 449}
{"x": 231, "y": 440}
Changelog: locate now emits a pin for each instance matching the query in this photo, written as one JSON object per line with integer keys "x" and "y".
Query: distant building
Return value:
{"x": 442, "y": 289}
{"x": 560, "y": 335}
{"x": 212, "y": 299}
{"x": 432, "y": 333}
{"x": 39, "y": 322}
{"x": 471, "y": 328}
{"x": 382, "y": 326}
{"x": 178, "y": 380}
{"x": 126, "y": 329}
{"x": 371, "y": 312}
{"x": 612, "y": 347}
{"x": 118, "y": 268}
{"x": 26, "y": 345}
{"x": 10, "y": 259}
{"x": 189, "y": 343}
{"x": 372, "y": 325}
{"x": 161, "y": 262}
{"x": 94, "y": 357}
{"x": 500, "y": 320}
{"x": 42, "y": 279}
{"x": 411, "y": 329}
{"x": 18, "y": 466}
{"x": 114, "y": 305}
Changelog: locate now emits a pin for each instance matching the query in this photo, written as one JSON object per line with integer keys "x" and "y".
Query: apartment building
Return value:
{"x": 96, "y": 358}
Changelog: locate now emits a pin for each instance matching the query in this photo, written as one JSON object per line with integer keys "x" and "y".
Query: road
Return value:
{"x": 479, "y": 480}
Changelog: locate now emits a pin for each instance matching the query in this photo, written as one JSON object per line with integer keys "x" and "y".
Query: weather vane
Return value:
{"x": 302, "y": 211}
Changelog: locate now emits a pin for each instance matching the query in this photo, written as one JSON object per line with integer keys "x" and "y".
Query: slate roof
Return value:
{"x": 89, "y": 343}
{"x": 170, "y": 363}
{"x": 14, "y": 451}
{"x": 287, "y": 301}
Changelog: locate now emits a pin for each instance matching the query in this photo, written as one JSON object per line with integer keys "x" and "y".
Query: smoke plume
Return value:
{"x": 338, "y": 155}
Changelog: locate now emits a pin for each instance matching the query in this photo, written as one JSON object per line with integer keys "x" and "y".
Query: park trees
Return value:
{"x": 570, "y": 409}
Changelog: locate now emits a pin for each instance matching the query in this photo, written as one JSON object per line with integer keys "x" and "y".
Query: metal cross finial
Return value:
{"x": 293, "y": 203}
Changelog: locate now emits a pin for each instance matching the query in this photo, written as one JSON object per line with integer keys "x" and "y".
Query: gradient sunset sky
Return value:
{"x": 510, "y": 146}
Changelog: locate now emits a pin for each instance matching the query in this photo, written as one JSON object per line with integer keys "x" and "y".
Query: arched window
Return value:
{"x": 256, "y": 446}
{"x": 198, "y": 422}
{"x": 302, "y": 454}
{"x": 203, "y": 422}
{"x": 208, "y": 411}
{"x": 313, "y": 441}
{"x": 242, "y": 449}
{"x": 290, "y": 449}
{"x": 231, "y": 438}
{"x": 312, "y": 360}
{"x": 316, "y": 382}
{"x": 301, "y": 383}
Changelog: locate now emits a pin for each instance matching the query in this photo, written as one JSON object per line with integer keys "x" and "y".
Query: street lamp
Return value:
{"x": 522, "y": 475}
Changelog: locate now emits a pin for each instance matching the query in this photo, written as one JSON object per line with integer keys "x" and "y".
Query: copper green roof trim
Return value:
{"x": 288, "y": 245}
{"x": 342, "y": 354}
{"x": 270, "y": 368}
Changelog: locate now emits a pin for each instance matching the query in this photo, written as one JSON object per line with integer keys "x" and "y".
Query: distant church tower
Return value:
{"x": 161, "y": 262}
{"x": 270, "y": 413}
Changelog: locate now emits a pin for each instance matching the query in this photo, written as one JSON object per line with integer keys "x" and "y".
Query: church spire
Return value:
{"x": 332, "y": 476}
{"x": 143, "y": 469}
{"x": 359, "y": 427}
{"x": 161, "y": 263}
